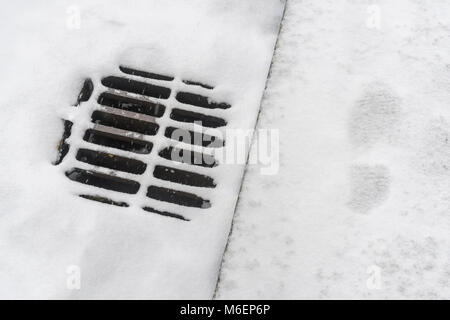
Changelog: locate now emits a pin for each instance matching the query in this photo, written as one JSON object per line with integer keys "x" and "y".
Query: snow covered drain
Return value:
{"x": 128, "y": 143}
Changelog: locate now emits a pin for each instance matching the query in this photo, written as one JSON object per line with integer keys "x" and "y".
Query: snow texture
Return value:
{"x": 47, "y": 232}
{"x": 360, "y": 208}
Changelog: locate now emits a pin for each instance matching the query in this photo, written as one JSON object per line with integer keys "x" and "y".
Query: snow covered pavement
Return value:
{"x": 360, "y": 208}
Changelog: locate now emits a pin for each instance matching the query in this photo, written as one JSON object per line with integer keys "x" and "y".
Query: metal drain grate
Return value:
{"x": 119, "y": 150}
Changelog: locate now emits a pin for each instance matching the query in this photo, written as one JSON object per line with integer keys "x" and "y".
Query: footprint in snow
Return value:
{"x": 372, "y": 120}
{"x": 369, "y": 187}
{"x": 374, "y": 116}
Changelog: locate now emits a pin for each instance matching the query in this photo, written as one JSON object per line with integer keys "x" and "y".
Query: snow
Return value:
{"x": 358, "y": 90}
{"x": 46, "y": 232}
{"x": 360, "y": 206}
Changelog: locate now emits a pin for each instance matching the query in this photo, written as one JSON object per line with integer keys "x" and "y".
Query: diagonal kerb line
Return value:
{"x": 248, "y": 155}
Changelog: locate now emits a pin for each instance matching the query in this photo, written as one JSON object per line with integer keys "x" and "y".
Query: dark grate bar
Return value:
{"x": 183, "y": 177}
{"x": 104, "y": 200}
{"x": 117, "y": 141}
{"x": 177, "y": 197}
{"x": 137, "y": 87}
{"x": 111, "y": 161}
{"x": 131, "y": 104}
{"x": 203, "y": 119}
{"x": 200, "y": 101}
{"x": 86, "y": 91}
{"x": 145, "y": 74}
{"x": 195, "y": 83}
{"x": 165, "y": 213}
{"x": 195, "y": 138}
{"x": 124, "y": 123}
{"x": 104, "y": 181}
{"x": 188, "y": 157}
{"x": 63, "y": 147}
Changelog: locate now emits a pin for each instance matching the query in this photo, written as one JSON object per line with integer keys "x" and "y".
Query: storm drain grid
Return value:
{"x": 119, "y": 148}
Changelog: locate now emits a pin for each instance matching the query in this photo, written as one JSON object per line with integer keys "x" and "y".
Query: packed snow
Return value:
{"x": 360, "y": 208}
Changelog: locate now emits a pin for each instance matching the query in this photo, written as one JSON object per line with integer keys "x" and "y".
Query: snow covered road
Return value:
{"x": 360, "y": 208}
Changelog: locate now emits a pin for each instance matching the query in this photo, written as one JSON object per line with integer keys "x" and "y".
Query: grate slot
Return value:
{"x": 86, "y": 91}
{"x": 131, "y": 104}
{"x": 64, "y": 147}
{"x": 145, "y": 74}
{"x": 177, "y": 197}
{"x": 137, "y": 87}
{"x": 205, "y": 120}
{"x": 196, "y": 138}
{"x": 165, "y": 213}
{"x": 104, "y": 181}
{"x": 200, "y": 101}
{"x": 183, "y": 177}
{"x": 117, "y": 141}
{"x": 111, "y": 161}
{"x": 195, "y": 83}
{"x": 188, "y": 157}
{"x": 124, "y": 123}
{"x": 104, "y": 200}
{"x": 125, "y": 116}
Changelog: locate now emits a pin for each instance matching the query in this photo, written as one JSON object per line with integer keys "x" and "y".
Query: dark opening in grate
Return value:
{"x": 196, "y": 138}
{"x": 104, "y": 200}
{"x": 111, "y": 161}
{"x": 165, "y": 213}
{"x": 125, "y": 123}
{"x": 145, "y": 74}
{"x": 63, "y": 147}
{"x": 188, "y": 157}
{"x": 85, "y": 92}
{"x": 177, "y": 197}
{"x": 200, "y": 101}
{"x": 205, "y": 120}
{"x": 137, "y": 87}
{"x": 117, "y": 141}
{"x": 131, "y": 104}
{"x": 183, "y": 177}
{"x": 103, "y": 180}
{"x": 195, "y": 83}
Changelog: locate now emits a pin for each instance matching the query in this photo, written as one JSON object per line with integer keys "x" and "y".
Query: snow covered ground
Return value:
{"x": 359, "y": 91}
{"x": 360, "y": 208}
